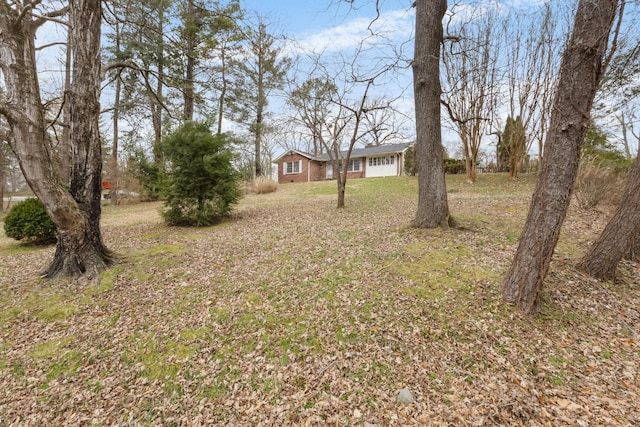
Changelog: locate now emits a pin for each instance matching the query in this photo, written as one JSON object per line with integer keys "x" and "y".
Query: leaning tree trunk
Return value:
{"x": 79, "y": 251}
{"x": 580, "y": 73}
{"x": 433, "y": 207}
{"x": 633, "y": 253}
{"x": 615, "y": 242}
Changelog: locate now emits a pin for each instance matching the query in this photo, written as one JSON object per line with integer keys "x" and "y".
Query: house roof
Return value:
{"x": 374, "y": 150}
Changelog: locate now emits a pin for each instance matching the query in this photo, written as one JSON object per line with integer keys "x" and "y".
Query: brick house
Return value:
{"x": 372, "y": 161}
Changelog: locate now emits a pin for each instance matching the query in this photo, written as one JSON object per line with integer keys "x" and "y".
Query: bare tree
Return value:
{"x": 312, "y": 103}
{"x": 470, "y": 59}
{"x": 531, "y": 52}
{"x": 348, "y": 120}
{"x": 433, "y": 207}
{"x": 384, "y": 123}
{"x": 581, "y": 70}
{"x": 80, "y": 251}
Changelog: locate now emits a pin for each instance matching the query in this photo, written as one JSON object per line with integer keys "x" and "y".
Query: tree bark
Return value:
{"x": 189, "y": 83}
{"x": 65, "y": 144}
{"x": 262, "y": 101}
{"x": 633, "y": 253}
{"x": 580, "y": 73}
{"x": 616, "y": 240}
{"x": 79, "y": 251}
{"x": 433, "y": 207}
{"x": 115, "y": 185}
{"x": 3, "y": 166}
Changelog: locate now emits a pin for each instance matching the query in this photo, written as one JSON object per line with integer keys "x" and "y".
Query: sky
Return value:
{"x": 305, "y": 19}
{"x": 331, "y": 26}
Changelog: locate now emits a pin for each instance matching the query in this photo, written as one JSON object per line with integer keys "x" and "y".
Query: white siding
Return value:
{"x": 374, "y": 170}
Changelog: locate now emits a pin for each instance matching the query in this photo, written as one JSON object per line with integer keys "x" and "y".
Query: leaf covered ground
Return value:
{"x": 296, "y": 313}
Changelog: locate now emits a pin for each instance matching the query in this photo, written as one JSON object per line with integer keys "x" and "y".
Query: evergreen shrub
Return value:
{"x": 28, "y": 221}
{"x": 201, "y": 184}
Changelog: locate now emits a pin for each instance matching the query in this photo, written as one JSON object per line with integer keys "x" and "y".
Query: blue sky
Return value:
{"x": 316, "y": 21}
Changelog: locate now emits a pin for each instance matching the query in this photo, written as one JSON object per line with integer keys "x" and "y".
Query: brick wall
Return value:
{"x": 311, "y": 170}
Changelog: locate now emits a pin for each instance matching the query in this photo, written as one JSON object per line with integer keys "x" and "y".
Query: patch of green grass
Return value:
{"x": 434, "y": 271}
{"x": 568, "y": 248}
{"x": 57, "y": 358}
{"x": 11, "y": 248}
{"x": 214, "y": 391}
{"x": 167, "y": 359}
{"x": 220, "y": 315}
{"x": 47, "y": 305}
{"x": 50, "y": 348}
{"x": 66, "y": 365}
{"x": 191, "y": 335}
{"x": 551, "y": 313}
{"x": 140, "y": 266}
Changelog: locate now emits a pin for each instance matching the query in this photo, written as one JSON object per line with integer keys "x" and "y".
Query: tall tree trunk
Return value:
{"x": 65, "y": 149}
{"x": 625, "y": 139}
{"x": 189, "y": 89}
{"x": 342, "y": 188}
{"x": 80, "y": 251}
{"x": 258, "y": 144}
{"x": 115, "y": 179}
{"x": 580, "y": 73}
{"x": 618, "y": 237}
{"x": 115, "y": 185}
{"x": 3, "y": 166}
{"x": 262, "y": 100}
{"x": 223, "y": 89}
{"x": 433, "y": 207}
{"x": 155, "y": 101}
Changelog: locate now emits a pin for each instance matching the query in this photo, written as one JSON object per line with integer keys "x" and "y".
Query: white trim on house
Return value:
{"x": 296, "y": 167}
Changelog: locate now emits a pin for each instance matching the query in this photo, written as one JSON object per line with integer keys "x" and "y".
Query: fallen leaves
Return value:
{"x": 294, "y": 313}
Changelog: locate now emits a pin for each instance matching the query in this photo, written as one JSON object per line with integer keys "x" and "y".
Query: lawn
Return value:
{"x": 296, "y": 313}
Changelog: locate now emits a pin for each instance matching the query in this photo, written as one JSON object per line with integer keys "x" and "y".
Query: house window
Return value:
{"x": 381, "y": 161}
{"x": 292, "y": 167}
{"x": 354, "y": 166}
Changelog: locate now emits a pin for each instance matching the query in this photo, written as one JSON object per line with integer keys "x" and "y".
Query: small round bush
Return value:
{"x": 29, "y": 221}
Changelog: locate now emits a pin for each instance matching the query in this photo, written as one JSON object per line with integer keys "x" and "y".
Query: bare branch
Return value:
{"x": 48, "y": 45}
{"x": 51, "y": 17}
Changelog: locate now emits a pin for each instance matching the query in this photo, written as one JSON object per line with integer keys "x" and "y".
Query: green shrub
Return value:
{"x": 201, "y": 184}
{"x": 149, "y": 176}
{"x": 29, "y": 221}
{"x": 454, "y": 166}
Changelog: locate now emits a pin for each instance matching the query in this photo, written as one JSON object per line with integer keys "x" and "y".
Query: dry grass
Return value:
{"x": 262, "y": 185}
{"x": 295, "y": 313}
{"x": 597, "y": 183}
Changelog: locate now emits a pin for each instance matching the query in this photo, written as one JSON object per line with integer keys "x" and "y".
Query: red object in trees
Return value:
{"x": 106, "y": 185}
